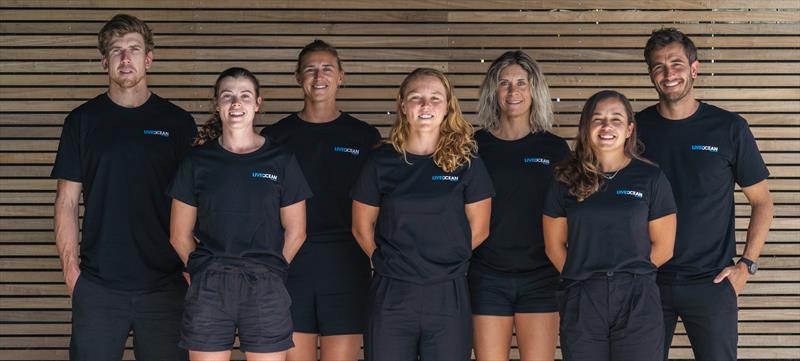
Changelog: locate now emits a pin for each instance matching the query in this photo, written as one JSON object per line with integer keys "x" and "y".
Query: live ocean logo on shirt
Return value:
{"x": 352, "y": 151}
{"x": 630, "y": 193}
{"x": 705, "y": 148}
{"x": 262, "y": 175}
{"x": 161, "y": 133}
{"x": 533, "y": 160}
{"x": 444, "y": 178}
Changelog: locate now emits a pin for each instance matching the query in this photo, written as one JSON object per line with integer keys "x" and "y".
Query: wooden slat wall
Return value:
{"x": 750, "y": 54}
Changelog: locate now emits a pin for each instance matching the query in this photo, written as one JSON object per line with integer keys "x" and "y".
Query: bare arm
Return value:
{"x": 662, "y": 238}
{"x": 364, "y": 218}
{"x": 68, "y": 195}
{"x": 181, "y": 225}
{"x": 293, "y": 219}
{"x": 479, "y": 214}
{"x": 761, "y": 210}
{"x": 555, "y": 240}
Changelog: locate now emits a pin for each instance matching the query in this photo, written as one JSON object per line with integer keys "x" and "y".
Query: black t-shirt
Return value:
{"x": 124, "y": 159}
{"x": 331, "y": 156}
{"x": 422, "y": 233}
{"x": 521, "y": 172}
{"x": 238, "y": 199}
{"x": 608, "y": 231}
{"x": 702, "y": 156}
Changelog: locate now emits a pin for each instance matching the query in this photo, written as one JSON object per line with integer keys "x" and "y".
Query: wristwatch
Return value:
{"x": 752, "y": 266}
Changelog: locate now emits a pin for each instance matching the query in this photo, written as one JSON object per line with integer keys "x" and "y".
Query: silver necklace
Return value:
{"x": 610, "y": 177}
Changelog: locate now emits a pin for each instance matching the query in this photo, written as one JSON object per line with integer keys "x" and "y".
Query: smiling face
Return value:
{"x": 514, "y": 92}
{"x": 320, "y": 76}
{"x": 671, "y": 72}
{"x": 127, "y": 61}
{"x": 237, "y": 102}
{"x": 609, "y": 126}
{"x": 424, "y": 104}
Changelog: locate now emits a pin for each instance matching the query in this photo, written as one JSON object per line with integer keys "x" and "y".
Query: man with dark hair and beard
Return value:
{"x": 704, "y": 152}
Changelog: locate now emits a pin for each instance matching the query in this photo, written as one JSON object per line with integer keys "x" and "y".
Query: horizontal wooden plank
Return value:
{"x": 429, "y": 4}
{"x": 411, "y": 16}
{"x": 468, "y": 106}
{"x": 328, "y": 29}
{"x": 403, "y": 55}
{"x": 633, "y": 16}
{"x": 158, "y": 81}
{"x": 22, "y": 120}
{"x": 402, "y": 67}
{"x": 404, "y": 41}
{"x": 382, "y": 93}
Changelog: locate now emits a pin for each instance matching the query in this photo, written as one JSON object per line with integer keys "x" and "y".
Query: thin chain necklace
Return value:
{"x": 610, "y": 177}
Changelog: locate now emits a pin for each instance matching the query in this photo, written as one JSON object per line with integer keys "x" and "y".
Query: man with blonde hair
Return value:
{"x": 121, "y": 150}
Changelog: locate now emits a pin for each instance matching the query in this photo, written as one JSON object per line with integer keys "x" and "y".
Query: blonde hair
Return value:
{"x": 541, "y": 112}
{"x": 456, "y": 145}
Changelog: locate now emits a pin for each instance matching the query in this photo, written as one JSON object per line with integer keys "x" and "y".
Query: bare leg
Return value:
{"x": 492, "y": 337}
{"x": 305, "y": 347}
{"x": 209, "y": 356}
{"x": 268, "y": 356}
{"x": 537, "y": 335}
{"x": 340, "y": 347}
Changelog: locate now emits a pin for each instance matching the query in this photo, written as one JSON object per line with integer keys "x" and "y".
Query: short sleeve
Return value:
{"x": 563, "y": 150}
{"x": 375, "y": 138}
{"x": 187, "y": 135}
{"x": 554, "y": 200}
{"x": 748, "y": 167}
{"x": 367, "y": 189}
{"x": 182, "y": 187}
{"x": 68, "y": 158}
{"x": 478, "y": 182}
{"x": 295, "y": 187}
{"x": 662, "y": 202}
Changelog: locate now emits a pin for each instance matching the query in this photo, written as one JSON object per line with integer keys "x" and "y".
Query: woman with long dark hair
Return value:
{"x": 420, "y": 206}
{"x": 238, "y": 219}
{"x": 609, "y": 223}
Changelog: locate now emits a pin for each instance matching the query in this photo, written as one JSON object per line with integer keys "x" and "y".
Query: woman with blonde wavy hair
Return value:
{"x": 609, "y": 223}
{"x": 420, "y": 206}
{"x": 512, "y": 283}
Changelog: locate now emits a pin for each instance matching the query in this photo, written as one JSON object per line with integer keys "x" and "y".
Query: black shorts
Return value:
{"x": 230, "y": 295}
{"x": 328, "y": 282}
{"x": 495, "y": 295}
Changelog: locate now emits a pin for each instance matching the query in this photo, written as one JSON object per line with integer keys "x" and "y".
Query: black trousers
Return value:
{"x": 614, "y": 316}
{"x": 103, "y": 317}
{"x": 409, "y": 321}
{"x": 709, "y": 313}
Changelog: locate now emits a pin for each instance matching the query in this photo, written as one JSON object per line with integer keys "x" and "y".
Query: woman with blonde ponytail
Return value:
{"x": 420, "y": 206}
